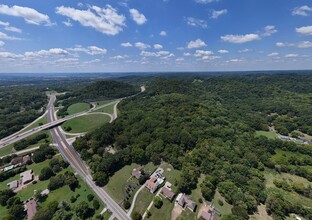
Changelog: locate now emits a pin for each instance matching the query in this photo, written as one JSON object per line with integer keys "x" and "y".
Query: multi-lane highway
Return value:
{"x": 14, "y": 138}
{"x": 69, "y": 153}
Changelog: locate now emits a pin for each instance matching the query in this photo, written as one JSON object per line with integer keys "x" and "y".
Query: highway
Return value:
{"x": 69, "y": 153}
{"x": 14, "y": 138}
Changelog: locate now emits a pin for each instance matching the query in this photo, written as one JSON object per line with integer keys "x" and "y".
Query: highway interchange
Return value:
{"x": 69, "y": 153}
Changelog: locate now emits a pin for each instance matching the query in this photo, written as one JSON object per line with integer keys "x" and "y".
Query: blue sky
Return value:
{"x": 155, "y": 35}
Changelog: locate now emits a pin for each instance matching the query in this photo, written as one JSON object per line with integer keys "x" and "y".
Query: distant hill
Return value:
{"x": 107, "y": 90}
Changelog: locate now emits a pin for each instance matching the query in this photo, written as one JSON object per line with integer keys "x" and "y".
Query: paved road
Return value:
{"x": 19, "y": 136}
{"x": 78, "y": 165}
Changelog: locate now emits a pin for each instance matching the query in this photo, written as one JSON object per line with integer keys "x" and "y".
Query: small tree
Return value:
{"x": 158, "y": 202}
{"x": 127, "y": 204}
{"x": 136, "y": 215}
{"x": 90, "y": 197}
{"x": 96, "y": 204}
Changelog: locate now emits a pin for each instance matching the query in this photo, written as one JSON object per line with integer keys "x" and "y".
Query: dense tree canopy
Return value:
{"x": 207, "y": 125}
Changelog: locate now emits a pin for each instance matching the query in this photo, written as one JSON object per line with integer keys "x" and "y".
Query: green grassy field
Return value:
{"x": 196, "y": 193}
{"x": 170, "y": 173}
{"x": 78, "y": 107}
{"x": 292, "y": 197}
{"x": 268, "y": 134}
{"x": 143, "y": 200}
{"x": 114, "y": 186}
{"x": 187, "y": 215}
{"x": 104, "y": 102}
{"x": 108, "y": 109}
{"x": 43, "y": 120}
{"x": 9, "y": 149}
{"x": 164, "y": 211}
{"x": 226, "y": 208}
{"x": 86, "y": 123}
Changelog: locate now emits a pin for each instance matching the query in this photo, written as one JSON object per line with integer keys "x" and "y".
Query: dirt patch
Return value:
{"x": 203, "y": 208}
{"x": 176, "y": 211}
{"x": 261, "y": 215}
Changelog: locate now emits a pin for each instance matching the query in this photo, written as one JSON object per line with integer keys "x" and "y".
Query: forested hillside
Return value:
{"x": 19, "y": 106}
{"x": 99, "y": 90}
{"x": 207, "y": 125}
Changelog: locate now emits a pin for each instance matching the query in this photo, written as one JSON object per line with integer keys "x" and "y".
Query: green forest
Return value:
{"x": 207, "y": 125}
{"x": 19, "y": 106}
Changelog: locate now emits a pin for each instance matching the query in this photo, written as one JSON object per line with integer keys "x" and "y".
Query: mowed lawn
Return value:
{"x": 164, "y": 211}
{"x": 41, "y": 121}
{"x": 108, "y": 109}
{"x": 104, "y": 102}
{"x": 268, "y": 134}
{"x": 78, "y": 107}
{"x": 86, "y": 122}
{"x": 143, "y": 200}
{"x": 116, "y": 182}
{"x": 9, "y": 149}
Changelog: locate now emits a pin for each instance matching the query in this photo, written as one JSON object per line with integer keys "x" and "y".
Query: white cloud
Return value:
{"x": 215, "y": 14}
{"x": 105, "y": 20}
{"x": 50, "y": 52}
{"x": 142, "y": 46}
{"x": 205, "y": 1}
{"x": 305, "y": 30}
{"x": 304, "y": 44}
{"x": 155, "y": 54}
{"x": 208, "y": 58}
{"x": 10, "y": 28}
{"x": 280, "y": 44}
{"x": 273, "y": 54}
{"x": 196, "y": 44}
{"x": 91, "y": 50}
{"x": 118, "y": 57}
{"x": 4, "y": 36}
{"x": 67, "y": 23}
{"x": 158, "y": 46}
{"x": 92, "y": 61}
{"x": 239, "y": 39}
{"x": 236, "y": 60}
{"x": 13, "y": 29}
{"x": 269, "y": 30}
{"x": 291, "y": 55}
{"x": 200, "y": 53}
{"x": 163, "y": 33}
{"x": 180, "y": 59}
{"x": 4, "y": 23}
{"x": 1, "y": 43}
{"x": 302, "y": 10}
{"x": 244, "y": 50}
{"x": 223, "y": 51}
{"x": 30, "y": 15}
{"x": 10, "y": 55}
{"x": 196, "y": 22}
{"x": 187, "y": 54}
{"x": 138, "y": 17}
{"x": 127, "y": 44}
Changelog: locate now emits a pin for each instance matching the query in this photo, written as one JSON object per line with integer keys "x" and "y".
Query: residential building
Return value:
{"x": 207, "y": 215}
{"x": 185, "y": 202}
{"x": 27, "y": 176}
{"x": 13, "y": 185}
{"x": 31, "y": 208}
{"x": 167, "y": 193}
{"x": 136, "y": 173}
{"x": 151, "y": 184}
